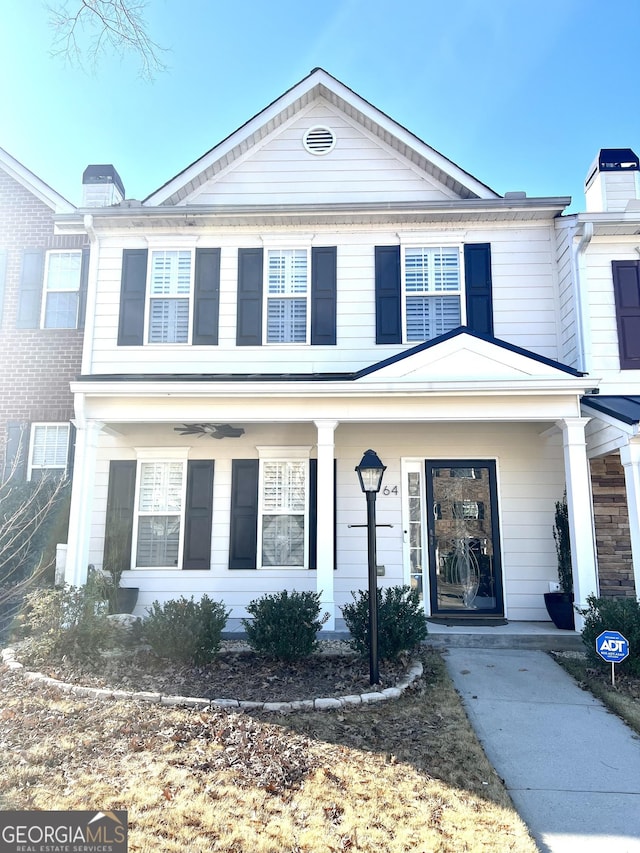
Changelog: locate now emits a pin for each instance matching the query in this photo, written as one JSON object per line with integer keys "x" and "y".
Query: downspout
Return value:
{"x": 92, "y": 288}
{"x": 583, "y": 335}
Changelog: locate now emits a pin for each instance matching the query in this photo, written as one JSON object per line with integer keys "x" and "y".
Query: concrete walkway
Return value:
{"x": 572, "y": 768}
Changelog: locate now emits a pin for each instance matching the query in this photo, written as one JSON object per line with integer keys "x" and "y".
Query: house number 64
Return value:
{"x": 390, "y": 490}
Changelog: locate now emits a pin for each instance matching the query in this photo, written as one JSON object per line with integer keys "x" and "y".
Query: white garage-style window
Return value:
{"x": 432, "y": 292}
{"x": 287, "y": 297}
{"x": 283, "y": 507}
{"x": 170, "y": 295}
{"x": 48, "y": 449}
{"x": 61, "y": 290}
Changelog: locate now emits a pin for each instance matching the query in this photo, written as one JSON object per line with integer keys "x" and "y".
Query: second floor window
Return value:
{"x": 287, "y": 296}
{"x": 432, "y": 292}
{"x": 62, "y": 286}
{"x": 170, "y": 296}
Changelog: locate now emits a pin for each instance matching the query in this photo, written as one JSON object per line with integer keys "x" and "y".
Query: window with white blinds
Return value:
{"x": 62, "y": 286}
{"x": 159, "y": 511}
{"x": 49, "y": 448}
{"x": 283, "y": 512}
{"x": 432, "y": 292}
{"x": 287, "y": 283}
{"x": 170, "y": 296}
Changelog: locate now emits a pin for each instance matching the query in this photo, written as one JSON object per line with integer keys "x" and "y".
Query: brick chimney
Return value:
{"x": 101, "y": 187}
{"x": 613, "y": 181}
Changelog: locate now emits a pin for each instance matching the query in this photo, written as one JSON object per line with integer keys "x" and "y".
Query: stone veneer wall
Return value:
{"x": 612, "y": 527}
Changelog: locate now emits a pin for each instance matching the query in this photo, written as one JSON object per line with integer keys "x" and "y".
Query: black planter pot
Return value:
{"x": 126, "y": 599}
{"x": 560, "y": 609}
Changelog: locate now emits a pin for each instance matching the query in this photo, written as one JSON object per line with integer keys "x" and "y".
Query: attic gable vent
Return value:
{"x": 319, "y": 140}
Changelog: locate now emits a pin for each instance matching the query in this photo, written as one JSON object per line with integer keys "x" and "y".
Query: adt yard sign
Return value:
{"x": 613, "y": 648}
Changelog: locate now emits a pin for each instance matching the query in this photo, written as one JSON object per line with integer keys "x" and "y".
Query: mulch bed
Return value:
{"x": 233, "y": 675}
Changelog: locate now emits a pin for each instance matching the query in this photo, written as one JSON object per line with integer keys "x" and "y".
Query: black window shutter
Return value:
{"x": 250, "y": 275}
{"x": 244, "y": 514}
{"x": 71, "y": 451}
{"x": 119, "y": 521}
{"x": 626, "y": 289}
{"x": 30, "y": 295}
{"x": 323, "y": 295}
{"x": 15, "y": 457}
{"x": 82, "y": 293}
{"x": 198, "y": 515}
{"x": 313, "y": 514}
{"x": 132, "y": 297}
{"x": 3, "y": 276}
{"x": 388, "y": 295}
{"x": 206, "y": 302}
{"x": 478, "y": 288}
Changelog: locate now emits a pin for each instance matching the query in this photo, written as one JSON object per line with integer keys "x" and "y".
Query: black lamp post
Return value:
{"x": 370, "y": 471}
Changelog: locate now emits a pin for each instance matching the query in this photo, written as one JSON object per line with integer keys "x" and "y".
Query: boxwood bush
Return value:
{"x": 402, "y": 624}
{"x": 613, "y": 614}
{"x": 285, "y": 625}
{"x": 186, "y": 630}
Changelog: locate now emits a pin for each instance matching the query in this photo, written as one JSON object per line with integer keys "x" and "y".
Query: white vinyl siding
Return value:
{"x": 159, "y": 514}
{"x": 49, "y": 448}
{"x": 283, "y": 512}
{"x": 287, "y": 296}
{"x": 170, "y": 296}
{"x": 428, "y": 274}
{"x": 62, "y": 286}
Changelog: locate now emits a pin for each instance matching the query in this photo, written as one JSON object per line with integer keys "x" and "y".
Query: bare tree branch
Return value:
{"x": 88, "y": 29}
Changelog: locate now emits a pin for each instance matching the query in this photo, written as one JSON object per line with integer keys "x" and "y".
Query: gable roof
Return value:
{"x": 34, "y": 184}
{"x": 319, "y": 84}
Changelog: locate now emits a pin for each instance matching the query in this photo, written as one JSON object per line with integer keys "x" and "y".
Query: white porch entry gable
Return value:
{"x": 580, "y": 510}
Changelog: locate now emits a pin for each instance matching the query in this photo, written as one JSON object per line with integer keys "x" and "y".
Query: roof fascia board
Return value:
{"x": 319, "y": 80}
{"x": 435, "y": 211}
{"x": 34, "y": 184}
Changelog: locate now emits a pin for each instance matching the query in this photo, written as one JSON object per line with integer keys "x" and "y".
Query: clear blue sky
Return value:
{"x": 520, "y": 94}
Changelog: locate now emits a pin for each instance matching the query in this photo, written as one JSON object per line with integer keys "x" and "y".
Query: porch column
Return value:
{"x": 84, "y": 472}
{"x": 580, "y": 511}
{"x": 326, "y": 523}
{"x": 630, "y": 458}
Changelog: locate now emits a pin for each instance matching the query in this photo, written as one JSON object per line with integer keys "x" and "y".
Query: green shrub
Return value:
{"x": 70, "y": 621}
{"x": 613, "y": 614}
{"x": 285, "y": 624}
{"x": 186, "y": 630}
{"x": 402, "y": 624}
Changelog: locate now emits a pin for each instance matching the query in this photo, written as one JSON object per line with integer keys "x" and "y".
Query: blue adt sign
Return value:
{"x": 612, "y": 646}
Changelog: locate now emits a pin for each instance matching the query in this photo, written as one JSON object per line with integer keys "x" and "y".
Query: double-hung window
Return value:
{"x": 160, "y": 503}
{"x": 433, "y": 292}
{"x": 61, "y": 290}
{"x": 170, "y": 296}
{"x": 48, "y": 449}
{"x": 287, "y": 285}
{"x": 283, "y": 514}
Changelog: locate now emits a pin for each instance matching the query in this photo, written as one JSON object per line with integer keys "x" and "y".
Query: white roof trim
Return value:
{"x": 319, "y": 83}
{"x": 33, "y": 184}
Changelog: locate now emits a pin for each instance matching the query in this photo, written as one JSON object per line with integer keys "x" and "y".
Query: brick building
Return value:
{"x": 41, "y": 318}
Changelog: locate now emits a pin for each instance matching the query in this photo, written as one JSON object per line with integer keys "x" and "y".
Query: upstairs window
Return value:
{"x": 433, "y": 292}
{"x": 287, "y": 296}
{"x": 283, "y": 513}
{"x": 61, "y": 289}
{"x": 49, "y": 449}
{"x": 170, "y": 296}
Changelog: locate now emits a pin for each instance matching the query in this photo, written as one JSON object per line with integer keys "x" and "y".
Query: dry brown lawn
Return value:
{"x": 404, "y": 775}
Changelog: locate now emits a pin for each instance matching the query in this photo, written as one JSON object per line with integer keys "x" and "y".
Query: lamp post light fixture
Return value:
{"x": 370, "y": 472}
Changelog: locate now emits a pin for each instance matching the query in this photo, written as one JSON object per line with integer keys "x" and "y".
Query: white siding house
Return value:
{"x": 320, "y": 283}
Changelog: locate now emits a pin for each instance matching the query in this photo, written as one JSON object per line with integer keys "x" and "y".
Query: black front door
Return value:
{"x": 464, "y": 544}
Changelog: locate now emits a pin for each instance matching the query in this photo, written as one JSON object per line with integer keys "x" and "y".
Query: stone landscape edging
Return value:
{"x": 328, "y": 703}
